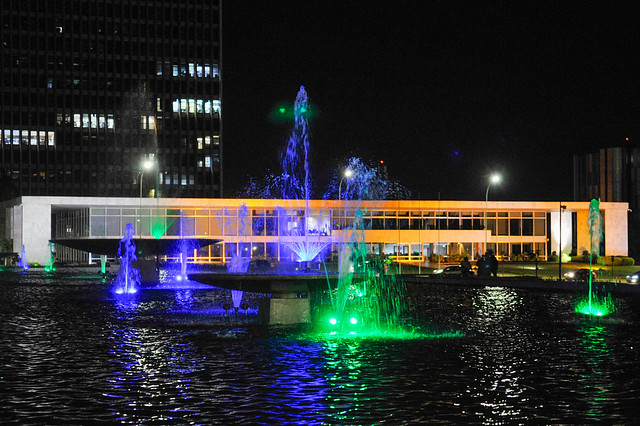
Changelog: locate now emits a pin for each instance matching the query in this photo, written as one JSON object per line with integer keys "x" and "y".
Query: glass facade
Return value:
{"x": 265, "y": 228}
{"x": 89, "y": 88}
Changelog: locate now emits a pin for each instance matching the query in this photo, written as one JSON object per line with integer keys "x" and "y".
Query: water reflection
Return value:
{"x": 151, "y": 377}
{"x": 596, "y": 382}
{"x": 496, "y": 359}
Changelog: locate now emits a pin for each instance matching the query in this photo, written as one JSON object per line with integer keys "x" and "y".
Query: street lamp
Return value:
{"x": 347, "y": 174}
{"x": 495, "y": 178}
{"x": 147, "y": 164}
{"x": 562, "y": 209}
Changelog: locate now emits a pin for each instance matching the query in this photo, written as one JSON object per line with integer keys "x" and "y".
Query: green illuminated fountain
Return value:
{"x": 595, "y": 304}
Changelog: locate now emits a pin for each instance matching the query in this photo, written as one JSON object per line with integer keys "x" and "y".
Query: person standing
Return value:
{"x": 493, "y": 264}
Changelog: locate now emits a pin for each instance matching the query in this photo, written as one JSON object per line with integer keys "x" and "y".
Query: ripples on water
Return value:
{"x": 73, "y": 353}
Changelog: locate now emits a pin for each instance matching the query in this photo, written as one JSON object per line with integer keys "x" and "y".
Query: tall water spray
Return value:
{"x": 595, "y": 304}
{"x": 238, "y": 262}
{"x": 22, "y": 259}
{"x": 128, "y": 277}
{"x": 296, "y": 180}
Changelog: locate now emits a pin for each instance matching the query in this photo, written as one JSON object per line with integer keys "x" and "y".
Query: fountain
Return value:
{"x": 296, "y": 184}
{"x": 364, "y": 297}
{"x": 50, "y": 267}
{"x": 595, "y": 304}
{"x": 22, "y": 259}
{"x": 128, "y": 277}
{"x": 239, "y": 264}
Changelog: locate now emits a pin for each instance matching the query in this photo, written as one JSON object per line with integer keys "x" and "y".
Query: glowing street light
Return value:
{"x": 494, "y": 178}
{"x": 347, "y": 174}
{"x": 147, "y": 164}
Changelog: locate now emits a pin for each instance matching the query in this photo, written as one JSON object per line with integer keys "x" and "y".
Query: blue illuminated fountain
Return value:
{"x": 238, "y": 262}
{"x": 296, "y": 183}
{"x": 128, "y": 277}
{"x": 22, "y": 259}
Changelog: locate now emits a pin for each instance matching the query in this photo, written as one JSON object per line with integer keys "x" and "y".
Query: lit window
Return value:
{"x": 207, "y": 70}
{"x": 59, "y": 119}
{"x": 183, "y": 69}
{"x": 110, "y": 123}
{"x": 199, "y": 163}
{"x": 214, "y": 73}
{"x": 216, "y": 105}
{"x": 207, "y": 161}
{"x": 152, "y": 122}
{"x": 94, "y": 121}
{"x": 159, "y": 68}
{"x": 176, "y": 105}
{"x": 175, "y": 178}
{"x": 183, "y": 180}
{"x": 167, "y": 179}
{"x": 191, "y": 180}
{"x": 207, "y": 107}
{"x": 33, "y": 140}
{"x": 175, "y": 70}
{"x": 199, "y": 140}
{"x": 25, "y": 137}
{"x": 50, "y": 84}
{"x": 207, "y": 140}
{"x": 216, "y": 140}
{"x": 42, "y": 138}
{"x": 199, "y": 105}
{"x": 183, "y": 105}
{"x": 85, "y": 120}
{"x": 102, "y": 121}
{"x": 76, "y": 120}
{"x": 192, "y": 70}
{"x": 192, "y": 106}
{"x": 51, "y": 138}
{"x": 158, "y": 105}
{"x": 199, "y": 70}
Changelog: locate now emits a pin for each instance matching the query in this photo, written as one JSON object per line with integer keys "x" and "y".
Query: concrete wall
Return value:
{"x": 32, "y": 228}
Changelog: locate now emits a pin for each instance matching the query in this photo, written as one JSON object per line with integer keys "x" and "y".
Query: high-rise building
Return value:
{"x": 612, "y": 175}
{"x": 91, "y": 88}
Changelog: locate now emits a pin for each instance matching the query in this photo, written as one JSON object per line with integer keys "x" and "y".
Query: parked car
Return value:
{"x": 261, "y": 265}
{"x": 633, "y": 278}
{"x": 455, "y": 271}
{"x": 579, "y": 275}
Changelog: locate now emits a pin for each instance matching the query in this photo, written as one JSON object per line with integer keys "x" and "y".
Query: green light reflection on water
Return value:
{"x": 596, "y": 381}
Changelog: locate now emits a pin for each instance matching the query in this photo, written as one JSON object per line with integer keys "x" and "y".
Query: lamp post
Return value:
{"x": 347, "y": 174}
{"x": 562, "y": 208}
{"x": 495, "y": 178}
{"x": 147, "y": 164}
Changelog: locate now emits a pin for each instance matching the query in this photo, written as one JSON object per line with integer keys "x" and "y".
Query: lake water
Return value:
{"x": 73, "y": 353}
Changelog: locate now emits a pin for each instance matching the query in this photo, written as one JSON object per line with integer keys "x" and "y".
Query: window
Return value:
{"x": 207, "y": 161}
{"x": 76, "y": 120}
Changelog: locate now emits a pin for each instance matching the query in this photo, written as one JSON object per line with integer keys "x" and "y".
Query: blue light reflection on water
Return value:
{"x": 73, "y": 350}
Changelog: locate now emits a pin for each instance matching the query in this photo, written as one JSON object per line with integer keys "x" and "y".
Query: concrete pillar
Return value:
{"x": 32, "y": 228}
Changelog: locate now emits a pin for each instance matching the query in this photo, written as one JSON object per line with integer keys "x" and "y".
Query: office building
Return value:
{"x": 91, "y": 88}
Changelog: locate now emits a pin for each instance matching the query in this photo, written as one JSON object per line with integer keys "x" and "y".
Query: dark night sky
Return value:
{"x": 515, "y": 87}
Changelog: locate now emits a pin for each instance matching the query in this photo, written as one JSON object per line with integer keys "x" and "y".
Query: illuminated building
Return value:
{"x": 88, "y": 89}
{"x": 412, "y": 230}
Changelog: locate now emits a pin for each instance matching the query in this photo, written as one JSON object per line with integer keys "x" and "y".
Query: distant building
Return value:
{"x": 90, "y": 88}
{"x": 611, "y": 175}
